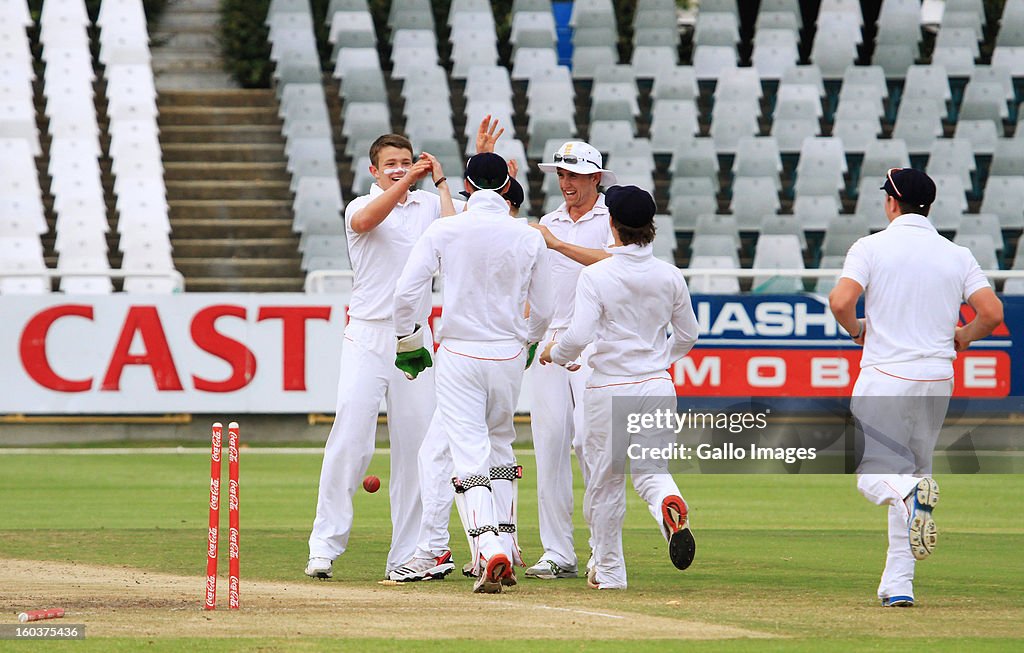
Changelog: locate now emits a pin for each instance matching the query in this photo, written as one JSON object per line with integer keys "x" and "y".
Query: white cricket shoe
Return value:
{"x": 424, "y": 569}
{"x": 922, "y": 531}
{"x": 498, "y": 568}
{"x": 550, "y": 570}
{"x": 321, "y": 568}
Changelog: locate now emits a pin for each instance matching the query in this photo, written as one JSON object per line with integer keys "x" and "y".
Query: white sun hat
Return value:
{"x": 581, "y": 158}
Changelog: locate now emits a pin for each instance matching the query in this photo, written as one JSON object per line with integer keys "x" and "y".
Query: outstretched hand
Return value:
{"x": 486, "y": 136}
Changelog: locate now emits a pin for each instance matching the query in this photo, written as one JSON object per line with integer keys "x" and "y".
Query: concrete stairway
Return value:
{"x": 227, "y": 185}
{"x": 186, "y": 47}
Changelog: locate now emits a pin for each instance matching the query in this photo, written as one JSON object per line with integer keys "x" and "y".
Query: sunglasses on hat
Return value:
{"x": 572, "y": 159}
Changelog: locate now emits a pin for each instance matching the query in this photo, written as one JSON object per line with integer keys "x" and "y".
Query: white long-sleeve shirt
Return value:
{"x": 491, "y": 265}
{"x": 624, "y": 304}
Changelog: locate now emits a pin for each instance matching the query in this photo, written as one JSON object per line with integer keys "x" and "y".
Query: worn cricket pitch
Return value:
{"x": 124, "y": 602}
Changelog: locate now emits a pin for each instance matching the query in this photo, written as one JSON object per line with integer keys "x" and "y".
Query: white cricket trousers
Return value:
{"x": 477, "y": 387}
{"x": 902, "y": 410}
{"x": 604, "y": 500}
{"x": 368, "y": 375}
{"x": 556, "y": 418}
{"x": 436, "y": 490}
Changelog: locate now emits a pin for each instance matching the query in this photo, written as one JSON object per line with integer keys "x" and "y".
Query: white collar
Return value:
{"x": 632, "y": 250}
{"x": 600, "y": 210}
{"x": 912, "y": 220}
{"x": 487, "y": 200}
{"x": 412, "y": 197}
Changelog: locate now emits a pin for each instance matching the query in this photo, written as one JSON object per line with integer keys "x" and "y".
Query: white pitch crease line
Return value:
{"x": 586, "y": 612}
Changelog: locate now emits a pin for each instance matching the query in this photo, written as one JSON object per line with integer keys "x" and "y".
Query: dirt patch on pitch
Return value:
{"x": 128, "y": 602}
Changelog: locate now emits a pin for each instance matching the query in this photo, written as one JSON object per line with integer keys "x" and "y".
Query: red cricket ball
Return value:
{"x": 371, "y": 484}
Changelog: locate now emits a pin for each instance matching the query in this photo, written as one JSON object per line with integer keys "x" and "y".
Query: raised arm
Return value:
{"x": 441, "y": 184}
{"x": 379, "y": 208}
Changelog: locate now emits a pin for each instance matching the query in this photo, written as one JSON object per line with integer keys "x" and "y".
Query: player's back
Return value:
{"x": 487, "y": 261}
{"x": 914, "y": 284}
{"x": 637, "y": 294}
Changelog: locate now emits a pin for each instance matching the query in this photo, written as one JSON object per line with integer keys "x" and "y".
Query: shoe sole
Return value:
{"x": 320, "y": 575}
{"x": 498, "y": 568}
{"x": 564, "y": 574}
{"x": 898, "y": 603}
{"x": 681, "y": 548}
{"x": 923, "y": 533}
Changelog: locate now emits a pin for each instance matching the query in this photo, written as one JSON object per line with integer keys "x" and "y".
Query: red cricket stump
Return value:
{"x": 39, "y": 615}
{"x": 211, "y": 553}
{"x": 233, "y": 516}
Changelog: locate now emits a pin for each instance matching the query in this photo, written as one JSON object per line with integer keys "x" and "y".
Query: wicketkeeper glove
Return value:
{"x": 531, "y": 354}
{"x": 412, "y": 357}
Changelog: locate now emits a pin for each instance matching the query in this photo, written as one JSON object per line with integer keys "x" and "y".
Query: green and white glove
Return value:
{"x": 412, "y": 357}
{"x": 531, "y": 354}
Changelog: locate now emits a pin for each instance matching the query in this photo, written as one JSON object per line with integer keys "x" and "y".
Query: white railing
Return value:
{"x": 317, "y": 280}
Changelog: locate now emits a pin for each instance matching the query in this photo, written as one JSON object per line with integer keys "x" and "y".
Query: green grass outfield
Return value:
{"x": 795, "y": 558}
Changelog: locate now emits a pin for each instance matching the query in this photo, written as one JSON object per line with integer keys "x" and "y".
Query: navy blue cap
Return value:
{"x": 910, "y": 186}
{"x": 487, "y": 171}
{"x": 630, "y": 205}
{"x": 515, "y": 195}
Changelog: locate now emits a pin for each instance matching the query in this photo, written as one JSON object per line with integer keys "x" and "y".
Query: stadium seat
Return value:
{"x": 895, "y": 58}
{"x": 752, "y": 199}
{"x": 1003, "y": 198}
{"x": 758, "y": 157}
{"x": 717, "y": 284}
{"x": 714, "y": 245}
{"x": 527, "y": 63}
{"x": 721, "y": 225}
{"x": 783, "y": 225}
{"x": 696, "y": 159}
{"x": 778, "y": 252}
{"x": 983, "y": 248}
{"x": 713, "y": 62}
{"x": 588, "y": 59}
{"x": 677, "y": 83}
{"x": 985, "y": 224}
{"x": 816, "y": 211}
{"x": 952, "y": 156}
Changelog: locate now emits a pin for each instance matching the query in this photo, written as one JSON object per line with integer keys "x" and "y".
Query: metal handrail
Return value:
{"x": 316, "y": 278}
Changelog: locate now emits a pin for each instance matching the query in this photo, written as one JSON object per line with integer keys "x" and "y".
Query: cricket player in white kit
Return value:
{"x": 913, "y": 281}
{"x": 625, "y": 305}
{"x": 433, "y": 555}
{"x": 382, "y": 228}
{"x": 576, "y": 234}
{"x": 491, "y": 265}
